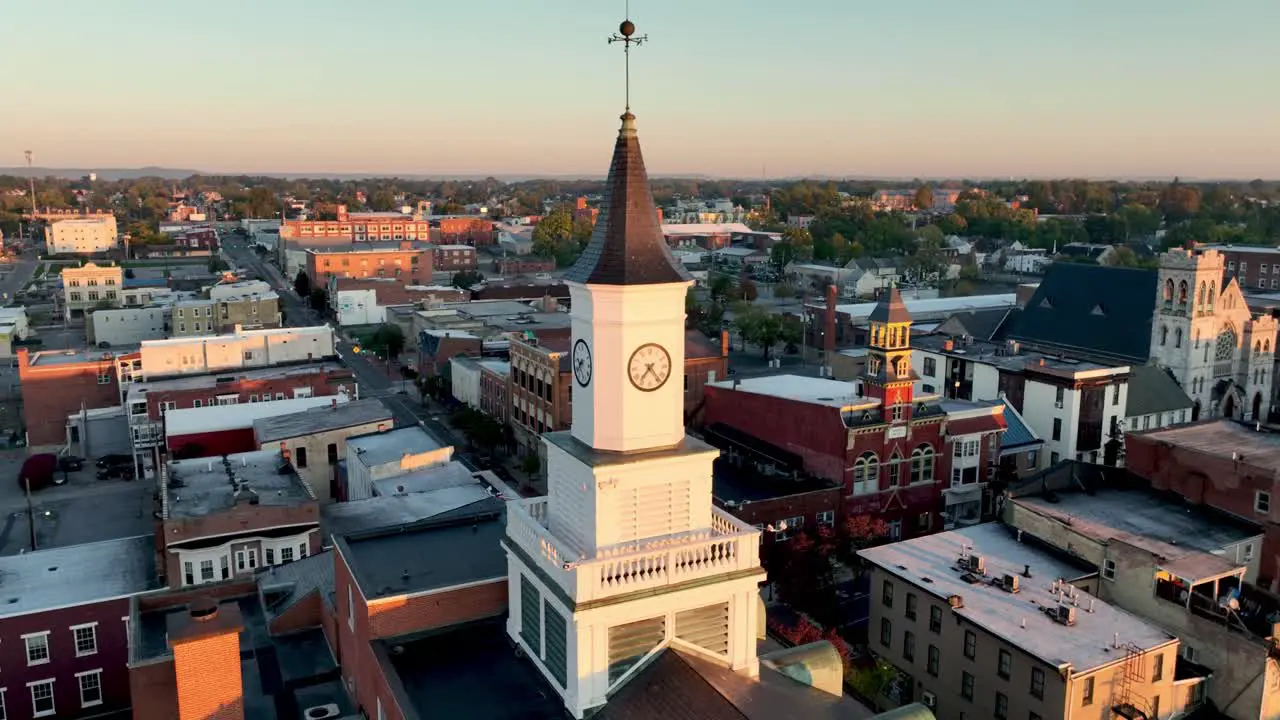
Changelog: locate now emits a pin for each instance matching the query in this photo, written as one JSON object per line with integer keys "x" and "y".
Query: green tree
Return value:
{"x": 302, "y": 284}
{"x": 552, "y": 231}
{"x": 782, "y": 254}
{"x": 768, "y": 333}
{"x": 720, "y": 287}
{"x": 217, "y": 264}
{"x": 382, "y": 200}
{"x": 1122, "y": 256}
{"x": 318, "y": 299}
{"x": 261, "y": 203}
{"x": 388, "y": 340}
{"x": 464, "y": 279}
{"x": 924, "y": 198}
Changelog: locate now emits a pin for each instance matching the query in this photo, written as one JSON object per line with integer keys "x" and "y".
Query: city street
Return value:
{"x": 14, "y": 277}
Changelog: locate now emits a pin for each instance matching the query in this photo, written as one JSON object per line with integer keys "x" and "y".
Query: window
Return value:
{"x": 922, "y": 464}
{"x": 1059, "y": 396}
{"x": 908, "y": 645}
{"x": 351, "y": 608}
{"x": 75, "y": 297}
{"x": 966, "y": 685}
{"x": 86, "y": 637}
{"x": 206, "y": 570}
{"x": 332, "y": 451}
{"x": 886, "y": 632}
{"x": 866, "y": 474}
{"x": 1157, "y": 671}
{"x": 886, "y": 594}
{"x": 911, "y": 606}
{"x": 246, "y": 560}
{"x": 1054, "y": 458}
{"x": 1262, "y": 502}
{"x": 1109, "y": 569}
{"x": 93, "y": 295}
{"x": 1155, "y": 706}
{"x": 270, "y": 555}
{"x": 1247, "y": 552}
{"x": 42, "y": 698}
{"x": 90, "y": 688}
{"x": 1057, "y": 428}
{"x": 930, "y": 366}
{"x": 788, "y": 526}
{"x": 924, "y": 521}
{"x": 37, "y": 648}
{"x": 1002, "y": 706}
{"x": 301, "y": 457}
{"x": 188, "y": 574}
{"x": 1004, "y": 664}
{"x": 970, "y": 644}
{"x": 1037, "y": 683}
{"x": 895, "y": 529}
{"x": 827, "y": 517}
{"x": 286, "y": 554}
{"x": 935, "y": 619}
{"x": 932, "y": 657}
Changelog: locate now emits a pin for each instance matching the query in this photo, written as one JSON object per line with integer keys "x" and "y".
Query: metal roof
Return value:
{"x": 321, "y": 419}
{"x": 77, "y": 575}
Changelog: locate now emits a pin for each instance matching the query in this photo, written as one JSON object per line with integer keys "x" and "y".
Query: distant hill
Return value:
{"x": 103, "y": 173}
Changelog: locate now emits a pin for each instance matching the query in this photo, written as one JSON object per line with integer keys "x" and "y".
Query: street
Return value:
{"x": 14, "y": 277}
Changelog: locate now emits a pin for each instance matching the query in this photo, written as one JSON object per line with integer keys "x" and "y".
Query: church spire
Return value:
{"x": 627, "y": 246}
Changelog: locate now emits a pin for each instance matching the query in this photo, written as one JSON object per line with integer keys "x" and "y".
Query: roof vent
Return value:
{"x": 203, "y": 610}
{"x": 956, "y": 602}
{"x": 1009, "y": 583}
{"x": 1062, "y": 614}
{"x": 329, "y": 710}
{"x": 974, "y": 564}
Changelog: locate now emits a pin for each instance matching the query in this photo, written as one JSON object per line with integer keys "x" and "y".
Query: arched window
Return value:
{"x": 922, "y": 464}
{"x": 1266, "y": 346}
{"x": 1168, "y": 292}
{"x": 1209, "y": 299}
{"x": 1200, "y": 297}
{"x": 1257, "y": 346}
{"x": 866, "y": 474}
{"x": 1225, "y": 347}
{"x": 1177, "y": 338}
{"x": 895, "y": 469}
{"x": 1182, "y": 294}
{"x": 1164, "y": 334}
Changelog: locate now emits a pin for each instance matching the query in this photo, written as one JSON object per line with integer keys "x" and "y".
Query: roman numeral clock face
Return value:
{"x": 582, "y": 363}
{"x": 650, "y": 367}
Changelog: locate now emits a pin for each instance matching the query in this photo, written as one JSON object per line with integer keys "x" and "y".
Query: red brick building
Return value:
{"x": 581, "y": 211}
{"x": 475, "y": 231}
{"x": 57, "y": 383}
{"x": 524, "y": 291}
{"x": 389, "y": 291}
{"x": 239, "y": 387}
{"x": 1222, "y": 464}
{"x": 64, "y": 633}
{"x": 453, "y": 258}
{"x": 437, "y": 347}
{"x": 409, "y": 262}
{"x": 919, "y": 463}
{"x": 1256, "y": 268}
{"x": 516, "y": 266}
{"x": 363, "y": 226}
{"x": 705, "y": 361}
{"x": 495, "y": 379}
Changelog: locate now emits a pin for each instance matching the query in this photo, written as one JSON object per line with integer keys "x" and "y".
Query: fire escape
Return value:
{"x": 1129, "y": 703}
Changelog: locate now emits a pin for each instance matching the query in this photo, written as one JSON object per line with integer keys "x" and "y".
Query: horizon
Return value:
{"x": 818, "y": 90}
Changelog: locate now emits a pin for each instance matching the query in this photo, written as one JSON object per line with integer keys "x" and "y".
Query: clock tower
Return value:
{"x": 889, "y": 376}
{"x": 626, "y": 555}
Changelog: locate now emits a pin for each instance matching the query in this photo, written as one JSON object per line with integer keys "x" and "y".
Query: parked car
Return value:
{"x": 114, "y": 460}
{"x": 70, "y": 463}
{"x": 39, "y": 472}
{"x": 117, "y": 472}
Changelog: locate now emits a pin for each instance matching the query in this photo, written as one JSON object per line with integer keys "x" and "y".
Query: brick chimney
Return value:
{"x": 206, "y": 661}
{"x": 829, "y": 330}
{"x": 724, "y": 343}
{"x": 582, "y": 203}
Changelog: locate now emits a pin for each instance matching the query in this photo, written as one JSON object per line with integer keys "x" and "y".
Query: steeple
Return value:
{"x": 627, "y": 246}
{"x": 888, "y": 375}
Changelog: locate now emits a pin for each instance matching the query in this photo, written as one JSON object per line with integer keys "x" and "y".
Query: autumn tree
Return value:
{"x": 924, "y": 198}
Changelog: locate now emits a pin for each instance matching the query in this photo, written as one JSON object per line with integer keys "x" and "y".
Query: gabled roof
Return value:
{"x": 891, "y": 309}
{"x": 1153, "y": 390}
{"x": 979, "y": 324}
{"x": 1017, "y": 436}
{"x": 627, "y": 246}
{"x": 1091, "y": 310}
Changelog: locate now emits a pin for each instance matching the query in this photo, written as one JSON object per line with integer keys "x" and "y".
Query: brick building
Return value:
{"x": 1255, "y": 268}
{"x": 57, "y": 383}
{"x": 919, "y": 462}
{"x": 515, "y": 266}
{"x": 1221, "y": 464}
{"x": 64, "y": 633}
{"x": 222, "y": 518}
{"x": 453, "y": 258}
{"x": 495, "y": 382}
{"x": 524, "y": 291}
{"x": 705, "y": 361}
{"x": 316, "y": 439}
{"x": 437, "y": 347}
{"x": 364, "y": 226}
{"x": 474, "y": 231}
{"x": 411, "y": 262}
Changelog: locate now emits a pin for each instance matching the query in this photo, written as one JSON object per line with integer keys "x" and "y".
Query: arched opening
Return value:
{"x": 1168, "y": 292}
{"x": 866, "y": 474}
{"x": 1182, "y": 294}
{"x": 1266, "y": 346}
{"x": 1257, "y": 407}
{"x": 1177, "y": 337}
{"x": 1164, "y": 334}
{"x": 1229, "y": 406}
{"x": 922, "y": 464}
{"x": 1209, "y": 298}
{"x": 1200, "y": 297}
{"x": 1195, "y": 411}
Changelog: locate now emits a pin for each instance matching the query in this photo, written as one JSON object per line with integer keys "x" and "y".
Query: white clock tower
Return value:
{"x": 626, "y": 555}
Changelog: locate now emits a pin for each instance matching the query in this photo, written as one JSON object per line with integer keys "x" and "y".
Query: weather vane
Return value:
{"x": 627, "y": 36}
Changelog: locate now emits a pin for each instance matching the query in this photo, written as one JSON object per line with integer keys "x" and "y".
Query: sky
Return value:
{"x": 837, "y": 88}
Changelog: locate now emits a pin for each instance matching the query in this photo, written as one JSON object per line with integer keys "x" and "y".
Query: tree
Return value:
{"x": 768, "y": 332}
{"x": 721, "y": 286}
{"x": 261, "y": 203}
{"x": 553, "y": 237}
{"x": 748, "y": 291}
{"x": 388, "y": 340}
{"x": 782, "y": 254}
{"x": 464, "y": 279}
{"x": 924, "y": 198}
{"x": 318, "y": 299}
{"x": 1122, "y": 256}
{"x": 857, "y": 532}
{"x": 217, "y": 264}
{"x": 792, "y": 333}
{"x": 302, "y": 284}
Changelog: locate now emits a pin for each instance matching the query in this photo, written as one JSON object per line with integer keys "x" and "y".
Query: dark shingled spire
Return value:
{"x": 891, "y": 309}
{"x": 627, "y": 246}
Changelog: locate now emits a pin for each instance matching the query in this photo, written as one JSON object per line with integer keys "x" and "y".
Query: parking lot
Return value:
{"x": 85, "y": 509}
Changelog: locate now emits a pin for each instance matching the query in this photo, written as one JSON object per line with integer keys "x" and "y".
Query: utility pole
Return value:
{"x": 31, "y": 511}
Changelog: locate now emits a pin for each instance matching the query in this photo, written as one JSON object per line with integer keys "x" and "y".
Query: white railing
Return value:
{"x": 729, "y": 546}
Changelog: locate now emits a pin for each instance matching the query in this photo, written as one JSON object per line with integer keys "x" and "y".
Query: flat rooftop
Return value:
{"x": 261, "y": 332}
{"x": 997, "y": 354}
{"x": 450, "y": 474}
{"x": 491, "y": 308}
{"x": 930, "y": 565}
{"x": 839, "y": 394}
{"x": 77, "y": 574}
{"x": 933, "y": 307}
{"x": 201, "y": 486}
{"x": 1225, "y": 439}
{"x": 322, "y": 419}
{"x": 384, "y": 447}
{"x": 437, "y": 554}
{"x": 388, "y": 511}
{"x": 46, "y": 358}
{"x": 213, "y": 379}
{"x": 214, "y": 418}
{"x": 742, "y": 486}
{"x": 1185, "y": 537}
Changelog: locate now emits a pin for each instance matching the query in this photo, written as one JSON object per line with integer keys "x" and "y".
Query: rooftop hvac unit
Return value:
{"x": 977, "y": 564}
{"x": 1066, "y": 615}
{"x": 1009, "y": 583}
{"x": 319, "y": 712}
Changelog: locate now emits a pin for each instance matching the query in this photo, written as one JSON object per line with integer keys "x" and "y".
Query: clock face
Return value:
{"x": 582, "y": 363}
{"x": 650, "y": 367}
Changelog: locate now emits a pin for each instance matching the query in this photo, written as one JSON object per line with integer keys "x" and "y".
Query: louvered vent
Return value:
{"x": 631, "y": 642}
{"x": 706, "y": 627}
{"x": 530, "y": 615}
{"x": 557, "y": 644}
{"x": 653, "y": 511}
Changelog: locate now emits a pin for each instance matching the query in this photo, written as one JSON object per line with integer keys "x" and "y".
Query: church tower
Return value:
{"x": 626, "y": 555}
{"x": 889, "y": 376}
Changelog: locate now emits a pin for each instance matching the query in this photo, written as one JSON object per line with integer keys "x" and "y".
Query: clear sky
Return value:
{"x": 926, "y": 88}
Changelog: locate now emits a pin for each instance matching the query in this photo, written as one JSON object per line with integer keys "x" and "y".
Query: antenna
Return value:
{"x": 627, "y": 36}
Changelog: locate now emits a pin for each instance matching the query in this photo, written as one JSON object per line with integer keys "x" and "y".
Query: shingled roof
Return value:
{"x": 891, "y": 309}
{"x": 627, "y": 246}
{"x": 1091, "y": 310}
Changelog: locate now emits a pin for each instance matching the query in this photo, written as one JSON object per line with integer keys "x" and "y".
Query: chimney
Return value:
{"x": 724, "y": 343}
{"x": 829, "y": 326}
{"x": 206, "y": 661}
{"x": 582, "y": 203}
{"x": 948, "y": 345}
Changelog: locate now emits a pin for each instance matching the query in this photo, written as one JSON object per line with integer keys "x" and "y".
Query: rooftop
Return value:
{"x": 1153, "y": 390}
{"x": 435, "y": 477}
{"x": 321, "y": 419}
{"x": 77, "y": 574}
{"x": 933, "y": 308}
{"x": 735, "y": 486}
{"x": 212, "y": 380}
{"x": 839, "y": 394}
{"x": 490, "y": 308}
{"x": 384, "y": 447}
{"x": 705, "y": 228}
{"x": 214, "y": 418}
{"x": 930, "y": 565}
{"x": 438, "y": 553}
{"x": 201, "y": 486}
{"x": 46, "y": 358}
{"x": 1000, "y": 355}
{"x": 1018, "y": 436}
{"x": 261, "y": 332}
{"x": 1224, "y": 439}
{"x": 395, "y": 510}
